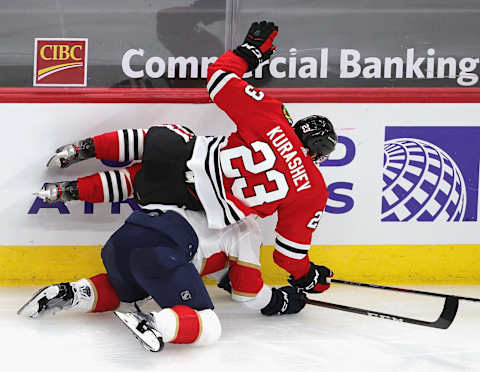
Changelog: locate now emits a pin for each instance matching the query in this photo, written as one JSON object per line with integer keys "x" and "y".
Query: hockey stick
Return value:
{"x": 376, "y": 286}
{"x": 443, "y": 322}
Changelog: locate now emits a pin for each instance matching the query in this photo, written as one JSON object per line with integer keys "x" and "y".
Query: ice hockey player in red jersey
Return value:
{"x": 267, "y": 165}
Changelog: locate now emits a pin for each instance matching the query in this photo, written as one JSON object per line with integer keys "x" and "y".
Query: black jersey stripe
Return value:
{"x": 119, "y": 185}
{"x": 110, "y": 186}
{"x": 290, "y": 248}
{"x": 219, "y": 183}
{"x": 125, "y": 144}
{"x": 207, "y": 170}
{"x": 135, "y": 144}
{"x": 217, "y": 81}
{"x": 188, "y": 130}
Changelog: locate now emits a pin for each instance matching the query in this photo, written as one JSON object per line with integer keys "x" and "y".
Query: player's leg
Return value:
{"x": 103, "y": 292}
{"x": 244, "y": 280}
{"x": 146, "y": 247}
{"x": 187, "y": 315}
{"x": 165, "y": 272}
{"x": 109, "y": 186}
{"x": 94, "y": 294}
{"x": 121, "y": 145}
{"x": 243, "y": 249}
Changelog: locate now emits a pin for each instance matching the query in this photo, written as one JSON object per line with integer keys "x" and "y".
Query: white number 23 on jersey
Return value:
{"x": 261, "y": 196}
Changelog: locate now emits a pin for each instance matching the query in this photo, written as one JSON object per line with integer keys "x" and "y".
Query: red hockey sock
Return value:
{"x": 90, "y": 189}
{"x": 188, "y": 325}
{"x": 106, "y": 296}
{"x": 106, "y": 146}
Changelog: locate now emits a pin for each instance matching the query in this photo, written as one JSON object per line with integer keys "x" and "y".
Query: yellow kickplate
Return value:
{"x": 385, "y": 264}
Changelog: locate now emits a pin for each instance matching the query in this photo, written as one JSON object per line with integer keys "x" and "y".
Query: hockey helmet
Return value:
{"x": 317, "y": 134}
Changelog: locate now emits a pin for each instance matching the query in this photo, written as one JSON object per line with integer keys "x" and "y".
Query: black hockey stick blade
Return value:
{"x": 404, "y": 290}
{"x": 449, "y": 311}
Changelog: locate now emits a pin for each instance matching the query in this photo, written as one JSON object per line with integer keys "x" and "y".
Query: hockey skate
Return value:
{"x": 48, "y": 300}
{"x": 59, "y": 191}
{"x": 76, "y": 296}
{"x": 142, "y": 327}
{"x": 73, "y": 153}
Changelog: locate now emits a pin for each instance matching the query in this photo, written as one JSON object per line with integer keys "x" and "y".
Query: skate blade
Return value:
{"x": 28, "y": 310}
{"x": 150, "y": 340}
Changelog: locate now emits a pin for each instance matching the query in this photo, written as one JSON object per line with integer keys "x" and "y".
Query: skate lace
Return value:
{"x": 82, "y": 292}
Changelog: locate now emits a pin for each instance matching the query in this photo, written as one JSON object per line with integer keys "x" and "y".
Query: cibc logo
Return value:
{"x": 60, "y": 62}
{"x": 430, "y": 174}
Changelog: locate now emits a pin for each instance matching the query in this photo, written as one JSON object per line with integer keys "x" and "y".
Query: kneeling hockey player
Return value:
{"x": 162, "y": 253}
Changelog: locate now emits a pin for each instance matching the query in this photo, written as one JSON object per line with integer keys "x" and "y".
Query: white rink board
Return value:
{"x": 36, "y": 130}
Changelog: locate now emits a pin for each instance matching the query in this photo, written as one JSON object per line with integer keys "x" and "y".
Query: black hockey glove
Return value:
{"x": 315, "y": 280}
{"x": 258, "y": 44}
{"x": 285, "y": 300}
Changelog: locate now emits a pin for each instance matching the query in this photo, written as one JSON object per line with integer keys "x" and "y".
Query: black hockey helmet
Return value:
{"x": 317, "y": 134}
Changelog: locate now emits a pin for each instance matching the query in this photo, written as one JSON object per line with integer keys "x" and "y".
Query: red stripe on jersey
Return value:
{"x": 297, "y": 268}
{"x": 182, "y": 130}
{"x": 106, "y": 146}
{"x": 90, "y": 189}
{"x": 245, "y": 279}
{"x": 246, "y": 210}
{"x": 188, "y": 325}
{"x": 107, "y": 298}
{"x": 214, "y": 263}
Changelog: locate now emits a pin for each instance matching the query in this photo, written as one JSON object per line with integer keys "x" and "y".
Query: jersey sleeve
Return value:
{"x": 293, "y": 234}
{"x": 243, "y": 103}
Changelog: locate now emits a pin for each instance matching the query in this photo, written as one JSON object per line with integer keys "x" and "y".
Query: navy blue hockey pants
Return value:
{"x": 149, "y": 255}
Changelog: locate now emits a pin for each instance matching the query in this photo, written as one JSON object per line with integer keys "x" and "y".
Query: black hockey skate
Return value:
{"x": 142, "y": 327}
{"x": 48, "y": 300}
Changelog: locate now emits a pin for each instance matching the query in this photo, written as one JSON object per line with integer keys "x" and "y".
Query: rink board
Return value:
{"x": 396, "y": 264}
{"x": 395, "y": 161}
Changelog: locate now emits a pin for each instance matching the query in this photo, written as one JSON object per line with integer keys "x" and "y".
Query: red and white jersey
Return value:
{"x": 235, "y": 248}
{"x": 259, "y": 169}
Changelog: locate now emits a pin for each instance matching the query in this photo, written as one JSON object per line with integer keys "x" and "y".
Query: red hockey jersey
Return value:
{"x": 261, "y": 168}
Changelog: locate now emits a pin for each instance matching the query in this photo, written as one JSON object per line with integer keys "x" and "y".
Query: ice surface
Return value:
{"x": 317, "y": 339}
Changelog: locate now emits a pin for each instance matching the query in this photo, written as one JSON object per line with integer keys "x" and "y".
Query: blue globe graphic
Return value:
{"x": 421, "y": 182}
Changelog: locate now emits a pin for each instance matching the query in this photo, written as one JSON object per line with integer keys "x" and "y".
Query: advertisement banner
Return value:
{"x": 401, "y": 173}
{"x": 168, "y": 44}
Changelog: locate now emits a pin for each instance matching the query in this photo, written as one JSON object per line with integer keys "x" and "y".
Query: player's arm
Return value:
{"x": 292, "y": 243}
{"x": 224, "y": 80}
